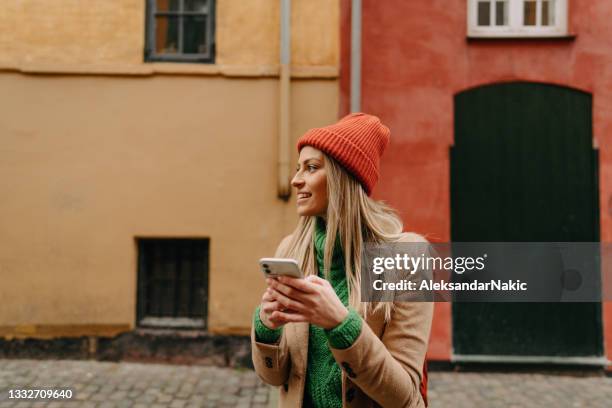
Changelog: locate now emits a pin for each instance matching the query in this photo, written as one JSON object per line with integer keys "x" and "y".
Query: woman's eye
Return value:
{"x": 312, "y": 168}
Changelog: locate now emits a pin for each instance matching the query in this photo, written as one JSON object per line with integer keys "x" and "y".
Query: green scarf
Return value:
{"x": 323, "y": 376}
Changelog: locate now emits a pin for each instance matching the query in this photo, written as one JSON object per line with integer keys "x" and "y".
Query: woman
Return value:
{"x": 313, "y": 336}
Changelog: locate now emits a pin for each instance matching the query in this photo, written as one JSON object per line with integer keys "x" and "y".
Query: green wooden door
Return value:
{"x": 523, "y": 169}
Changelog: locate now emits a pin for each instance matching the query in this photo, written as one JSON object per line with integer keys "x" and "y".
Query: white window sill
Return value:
{"x": 521, "y": 37}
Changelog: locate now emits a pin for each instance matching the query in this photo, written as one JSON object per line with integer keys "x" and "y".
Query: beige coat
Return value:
{"x": 383, "y": 366}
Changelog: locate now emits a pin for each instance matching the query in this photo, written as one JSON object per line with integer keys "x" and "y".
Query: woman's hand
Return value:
{"x": 311, "y": 300}
{"x": 269, "y": 305}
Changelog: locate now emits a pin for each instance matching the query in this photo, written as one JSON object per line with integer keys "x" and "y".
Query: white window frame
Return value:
{"x": 515, "y": 27}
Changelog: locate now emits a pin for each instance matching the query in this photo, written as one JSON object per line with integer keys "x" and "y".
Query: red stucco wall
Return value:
{"x": 416, "y": 58}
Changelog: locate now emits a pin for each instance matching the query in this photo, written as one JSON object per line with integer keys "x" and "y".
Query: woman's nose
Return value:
{"x": 297, "y": 181}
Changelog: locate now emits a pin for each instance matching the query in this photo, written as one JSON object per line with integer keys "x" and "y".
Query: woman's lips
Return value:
{"x": 301, "y": 197}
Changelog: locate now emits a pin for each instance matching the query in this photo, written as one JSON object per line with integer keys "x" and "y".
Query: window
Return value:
{"x": 517, "y": 18}
{"x": 173, "y": 282}
{"x": 180, "y": 30}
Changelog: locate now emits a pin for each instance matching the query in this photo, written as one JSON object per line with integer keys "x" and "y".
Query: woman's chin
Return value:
{"x": 309, "y": 212}
{"x": 303, "y": 213}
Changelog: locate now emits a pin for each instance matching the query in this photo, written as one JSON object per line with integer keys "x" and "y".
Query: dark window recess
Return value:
{"x": 180, "y": 31}
{"x": 173, "y": 282}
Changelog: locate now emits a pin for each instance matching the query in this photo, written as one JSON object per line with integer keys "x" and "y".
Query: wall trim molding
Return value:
{"x": 160, "y": 68}
{"x": 51, "y": 331}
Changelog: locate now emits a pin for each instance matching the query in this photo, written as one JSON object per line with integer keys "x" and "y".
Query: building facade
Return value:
{"x": 500, "y": 113}
{"x": 141, "y": 156}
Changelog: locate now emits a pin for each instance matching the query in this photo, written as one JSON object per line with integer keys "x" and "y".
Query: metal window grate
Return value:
{"x": 180, "y": 31}
{"x": 173, "y": 282}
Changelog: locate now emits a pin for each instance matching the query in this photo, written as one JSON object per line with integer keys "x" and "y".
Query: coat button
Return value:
{"x": 268, "y": 362}
{"x": 350, "y": 394}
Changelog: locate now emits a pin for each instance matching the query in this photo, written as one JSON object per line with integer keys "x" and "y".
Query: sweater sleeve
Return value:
{"x": 345, "y": 334}
{"x": 263, "y": 333}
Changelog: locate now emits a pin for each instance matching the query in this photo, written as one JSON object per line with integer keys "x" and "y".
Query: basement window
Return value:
{"x": 517, "y": 18}
{"x": 173, "y": 283}
{"x": 180, "y": 30}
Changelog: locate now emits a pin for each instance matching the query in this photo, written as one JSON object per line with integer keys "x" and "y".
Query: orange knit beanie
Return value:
{"x": 357, "y": 142}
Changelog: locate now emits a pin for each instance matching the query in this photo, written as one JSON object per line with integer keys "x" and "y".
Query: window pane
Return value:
{"x": 166, "y": 35}
{"x": 529, "y": 13}
{"x": 484, "y": 13}
{"x": 194, "y": 35}
{"x": 548, "y": 13}
{"x": 501, "y": 13}
{"x": 167, "y": 5}
{"x": 196, "y": 5}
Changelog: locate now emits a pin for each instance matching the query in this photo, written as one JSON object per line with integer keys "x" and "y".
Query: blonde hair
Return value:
{"x": 357, "y": 219}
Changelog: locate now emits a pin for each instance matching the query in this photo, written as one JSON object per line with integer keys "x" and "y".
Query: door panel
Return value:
{"x": 523, "y": 169}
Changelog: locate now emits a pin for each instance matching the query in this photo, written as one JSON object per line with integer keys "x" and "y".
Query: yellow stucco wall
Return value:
{"x": 111, "y": 32}
{"x": 315, "y": 32}
{"x": 90, "y": 163}
{"x": 100, "y": 148}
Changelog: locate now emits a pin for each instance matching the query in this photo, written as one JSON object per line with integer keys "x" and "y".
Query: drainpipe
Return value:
{"x": 284, "y": 152}
{"x": 356, "y": 56}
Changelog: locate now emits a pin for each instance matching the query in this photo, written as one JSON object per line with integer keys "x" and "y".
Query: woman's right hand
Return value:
{"x": 269, "y": 305}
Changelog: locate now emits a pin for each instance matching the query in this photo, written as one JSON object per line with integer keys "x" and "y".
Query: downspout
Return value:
{"x": 284, "y": 145}
{"x": 356, "y": 56}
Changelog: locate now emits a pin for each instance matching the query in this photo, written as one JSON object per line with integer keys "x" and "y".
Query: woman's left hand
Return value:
{"x": 311, "y": 300}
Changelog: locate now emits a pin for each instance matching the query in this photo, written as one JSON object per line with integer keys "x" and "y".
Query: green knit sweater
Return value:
{"x": 323, "y": 375}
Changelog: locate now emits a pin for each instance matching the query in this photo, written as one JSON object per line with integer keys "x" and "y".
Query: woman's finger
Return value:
{"x": 283, "y": 317}
{"x": 316, "y": 280}
{"x": 295, "y": 294}
{"x": 267, "y": 296}
{"x": 303, "y": 285}
{"x": 287, "y": 290}
{"x": 287, "y": 302}
{"x": 270, "y": 307}
{"x": 308, "y": 300}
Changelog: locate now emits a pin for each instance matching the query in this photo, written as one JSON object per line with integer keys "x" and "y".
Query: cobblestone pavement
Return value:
{"x": 510, "y": 390}
{"x": 102, "y": 384}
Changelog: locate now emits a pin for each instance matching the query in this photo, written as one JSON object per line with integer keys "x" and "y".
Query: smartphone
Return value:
{"x": 272, "y": 267}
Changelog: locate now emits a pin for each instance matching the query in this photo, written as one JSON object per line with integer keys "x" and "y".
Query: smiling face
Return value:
{"x": 310, "y": 182}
